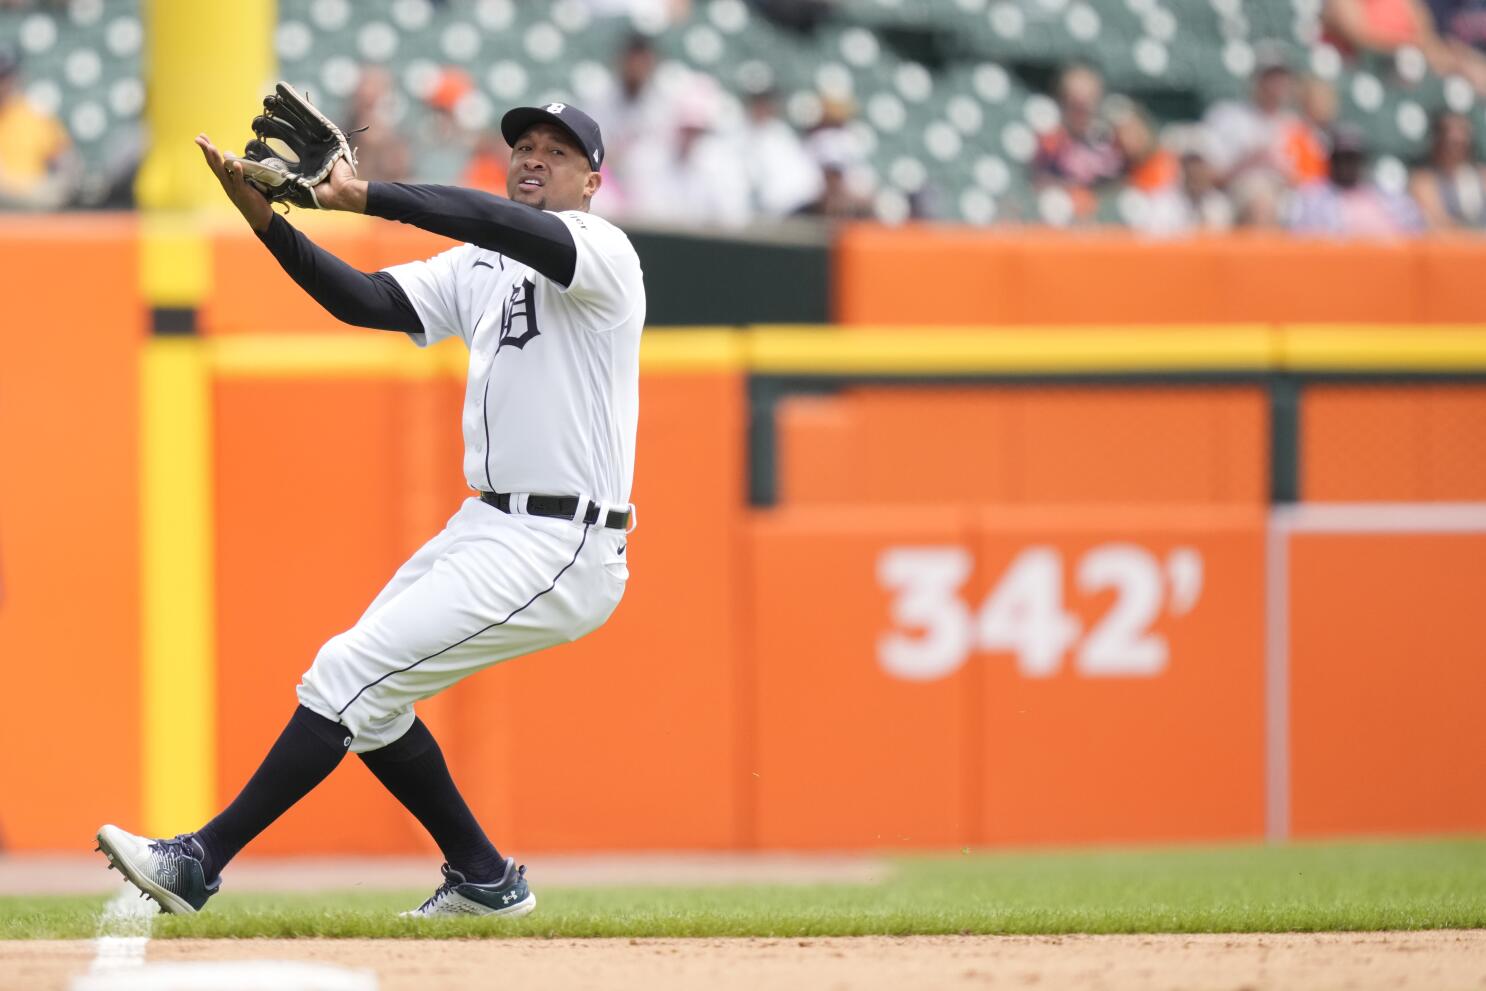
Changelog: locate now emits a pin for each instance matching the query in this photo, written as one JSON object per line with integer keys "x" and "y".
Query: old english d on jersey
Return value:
{"x": 552, "y": 400}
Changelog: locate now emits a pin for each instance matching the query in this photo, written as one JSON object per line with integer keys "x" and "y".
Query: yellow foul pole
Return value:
{"x": 208, "y": 66}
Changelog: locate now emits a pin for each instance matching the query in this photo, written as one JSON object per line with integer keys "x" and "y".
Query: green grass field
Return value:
{"x": 1361, "y": 886}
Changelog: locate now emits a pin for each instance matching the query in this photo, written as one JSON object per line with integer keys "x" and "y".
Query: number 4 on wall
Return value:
{"x": 934, "y": 631}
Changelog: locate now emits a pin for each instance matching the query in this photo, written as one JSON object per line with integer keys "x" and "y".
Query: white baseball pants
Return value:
{"x": 490, "y": 587}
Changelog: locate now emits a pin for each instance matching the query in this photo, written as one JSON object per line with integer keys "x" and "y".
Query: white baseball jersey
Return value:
{"x": 552, "y": 400}
{"x": 550, "y": 408}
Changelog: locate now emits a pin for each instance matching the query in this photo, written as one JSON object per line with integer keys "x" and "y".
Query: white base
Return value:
{"x": 230, "y": 975}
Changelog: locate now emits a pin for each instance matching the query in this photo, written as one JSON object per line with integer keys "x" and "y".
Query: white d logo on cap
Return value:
{"x": 556, "y": 108}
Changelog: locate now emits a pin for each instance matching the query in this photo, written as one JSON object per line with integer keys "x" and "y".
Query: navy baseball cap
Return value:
{"x": 583, "y": 129}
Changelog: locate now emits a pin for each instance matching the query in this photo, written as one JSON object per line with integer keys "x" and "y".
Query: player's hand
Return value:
{"x": 252, "y": 204}
{"x": 341, "y": 190}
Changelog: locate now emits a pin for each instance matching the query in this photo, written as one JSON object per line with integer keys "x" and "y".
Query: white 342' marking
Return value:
{"x": 935, "y": 631}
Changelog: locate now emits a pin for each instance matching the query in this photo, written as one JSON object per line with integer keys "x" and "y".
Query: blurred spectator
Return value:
{"x": 1309, "y": 147}
{"x": 1148, "y": 166}
{"x": 696, "y": 179}
{"x": 1462, "y": 21}
{"x": 830, "y": 139}
{"x": 1451, "y": 188}
{"x": 1199, "y": 202}
{"x": 488, "y": 165}
{"x": 1462, "y": 24}
{"x": 1347, "y": 203}
{"x": 444, "y": 146}
{"x": 638, "y": 114}
{"x": 782, "y": 174}
{"x": 1080, "y": 153}
{"x": 1177, "y": 186}
{"x": 1202, "y": 205}
{"x": 847, "y": 178}
{"x": 1261, "y": 147}
{"x": 1385, "y": 26}
{"x": 39, "y": 169}
{"x": 837, "y": 199}
{"x": 381, "y": 151}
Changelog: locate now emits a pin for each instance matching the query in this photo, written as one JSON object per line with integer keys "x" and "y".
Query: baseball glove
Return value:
{"x": 311, "y": 144}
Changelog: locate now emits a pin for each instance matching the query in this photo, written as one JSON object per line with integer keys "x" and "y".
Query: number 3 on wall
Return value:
{"x": 934, "y": 632}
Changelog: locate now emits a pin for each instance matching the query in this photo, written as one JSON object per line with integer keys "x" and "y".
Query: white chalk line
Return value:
{"x": 123, "y": 931}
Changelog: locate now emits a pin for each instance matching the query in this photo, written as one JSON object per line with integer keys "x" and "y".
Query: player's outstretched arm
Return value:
{"x": 249, "y": 202}
{"x": 530, "y": 236}
{"x": 362, "y": 299}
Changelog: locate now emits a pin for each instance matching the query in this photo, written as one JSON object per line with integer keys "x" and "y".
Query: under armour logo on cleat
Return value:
{"x": 508, "y": 898}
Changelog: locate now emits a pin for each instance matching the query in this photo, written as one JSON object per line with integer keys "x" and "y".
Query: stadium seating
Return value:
{"x": 949, "y": 94}
{"x": 83, "y": 63}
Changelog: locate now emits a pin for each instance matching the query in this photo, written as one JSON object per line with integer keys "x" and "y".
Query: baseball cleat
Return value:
{"x": 508, "y": 897}
{"x": 169, "y": 871}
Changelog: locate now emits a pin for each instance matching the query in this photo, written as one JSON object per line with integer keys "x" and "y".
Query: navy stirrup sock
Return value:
{"x": 305, "y": 753}
{"x": 413, "y": 769}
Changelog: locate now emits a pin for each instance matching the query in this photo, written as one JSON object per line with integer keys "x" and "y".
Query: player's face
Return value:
{"x": 549, "y": 171}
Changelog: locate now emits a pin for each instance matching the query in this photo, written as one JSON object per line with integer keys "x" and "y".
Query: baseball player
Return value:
{"x": 550, "y": 301}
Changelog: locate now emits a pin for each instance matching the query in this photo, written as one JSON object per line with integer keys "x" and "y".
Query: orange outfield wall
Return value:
{"x": 69, "y": 528}
{"x": 845, "y": 756}
{"x": 629, "y": 738}
{"x": 326, "y": 485}
{"x": 925, "y": 275}
{"x": 317, "y": 503}
{"x": 1386, "y": 682}
{"x": 1028, "y": 445}
{"x": 1151, "y": 728}
{"x": 1393, "y": 443}
{"x": 888, "y": 714}
{"x": 251, "y": 294}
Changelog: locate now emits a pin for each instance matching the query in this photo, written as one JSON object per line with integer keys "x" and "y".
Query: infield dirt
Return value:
{"x": 1441, "y": 960}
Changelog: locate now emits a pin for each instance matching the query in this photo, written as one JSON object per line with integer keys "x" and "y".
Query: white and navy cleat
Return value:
{"x": 509, "y": 897}
{"x": 169, "y": 871}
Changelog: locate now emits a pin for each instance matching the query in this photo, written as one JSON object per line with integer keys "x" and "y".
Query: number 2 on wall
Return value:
{"x": 934, "y": 630}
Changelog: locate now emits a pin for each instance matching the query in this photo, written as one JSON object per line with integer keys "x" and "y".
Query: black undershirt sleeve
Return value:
{"x": 364, "y": 299}
{"x": 530, "y": 236}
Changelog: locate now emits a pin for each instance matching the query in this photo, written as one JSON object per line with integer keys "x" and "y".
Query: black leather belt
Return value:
{"x": 559, "y": 507}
